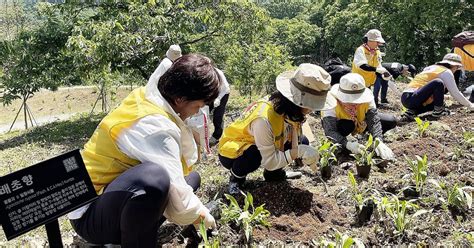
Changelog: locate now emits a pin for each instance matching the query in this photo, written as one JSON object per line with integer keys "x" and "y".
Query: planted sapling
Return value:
{"x": 422, "y": 126}
{"x": 327, "y": 157}
{"x": 247, "y": 217}
{"x": 365, "y": 159}
{"x": 342, "y": 241}
{"x": 419, "y": 168}
{"x": 457, "y": 198}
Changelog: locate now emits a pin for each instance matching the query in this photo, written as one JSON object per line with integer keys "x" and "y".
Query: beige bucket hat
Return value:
{"x": 374, "y": 35}
{"x": 307, "y": 87}
{"x": 351, "y": 89}
{"x": 452, "y": 59}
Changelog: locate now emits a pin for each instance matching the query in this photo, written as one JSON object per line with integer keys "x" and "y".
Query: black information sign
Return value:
{"x": 38, "y": 194}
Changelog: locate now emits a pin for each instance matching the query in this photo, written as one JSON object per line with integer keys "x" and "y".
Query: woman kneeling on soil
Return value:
{"x": 356, "y": 113}
{"x": 426, "y": 91}
{"x": 267, "y": 133}
{"x": 140, "y": 159}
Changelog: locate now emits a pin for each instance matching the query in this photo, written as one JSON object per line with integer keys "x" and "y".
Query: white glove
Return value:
{"x": 217, "y": 102}
{"x": 471, "y": 108}
{"x": 354, "y": 147}
{"x": 384, "y": 151}
{"x": 381, "y": 70}
{"x": 308, "y": 154}
{"x": 209, "y": 221}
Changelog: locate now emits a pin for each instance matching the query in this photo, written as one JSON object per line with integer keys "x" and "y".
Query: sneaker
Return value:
{"x": 440, "y": 111}
{"x": 384, "y": 101}
{"x": 408, "y": 116}
{"x": 235, "y": 185}
{"x": 213, "y": 141}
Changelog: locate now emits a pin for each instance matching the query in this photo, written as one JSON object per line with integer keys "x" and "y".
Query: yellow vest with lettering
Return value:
{"x": 372, "y": 60}
{"x": 467, "y": 60}
{"x": 103, "y": 159}
{"x": 360, "y": 116}
{"x": 426, "y": 76}
{"x": 236, "y": 138}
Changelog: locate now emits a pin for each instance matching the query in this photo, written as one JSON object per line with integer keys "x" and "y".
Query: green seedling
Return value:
{"x": 458, "y": 153}
{"x": 365, "y": 158}
{"x": 247, "y": 217}
{"x": 468, "y": 139}
{"x": 458, "y": 197}
{"x": 326, "y": 153}
{"x": 342, "y": 241}
{"x": 397, "y": 211}
{"x": 205, "y": 239}
{"x": 419, "y": 168}
{"x": 422, "y": 126}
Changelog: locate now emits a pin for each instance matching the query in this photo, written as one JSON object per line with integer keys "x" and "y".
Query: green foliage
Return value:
{"x": 419, "y": 169}
{"x": 247, "y": 217}
{"x": 359, "y": 196}
{"x": 455, "y": 196}
{"x": 398, "y": 212}
{"x": 342, "y": 241}
{"x": 365, "y": 158}
{"x": 326, "y": 152}
{"x": 468, "y": 139}
{"x": 205, "y": 239}
{"x": 422, "y": 126}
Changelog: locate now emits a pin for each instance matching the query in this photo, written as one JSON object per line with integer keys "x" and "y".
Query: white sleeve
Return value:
{"x": 272, "y": 158}
{"x": 448, "y": 80}
{"x": 224, "y": 87}
{"x": 359, "y": 57}
{"x": 160, "y": 70}
{"x": 330, "y": 112}
{"x": 155, "y": 139}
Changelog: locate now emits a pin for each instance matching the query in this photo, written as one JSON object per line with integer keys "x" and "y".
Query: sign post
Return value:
{"x": 40, "y": 194}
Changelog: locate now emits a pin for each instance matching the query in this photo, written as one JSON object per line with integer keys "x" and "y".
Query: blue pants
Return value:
{"x": 130, "y": 210}
{"x": 414, "y": 100}
{"x": 380, "y": 84}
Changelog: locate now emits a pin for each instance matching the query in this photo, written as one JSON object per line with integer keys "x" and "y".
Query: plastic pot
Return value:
{"x": 326, "y": 172}
{"x": 363, "y": 171}
{"x": 366, "y": 212}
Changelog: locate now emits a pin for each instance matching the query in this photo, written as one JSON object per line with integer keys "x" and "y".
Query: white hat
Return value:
{"x": 374, "y": 35}
{"x": 307, "y": 87}
{"x": 452, "y": 59}
{"x": 351, "y": 89}
{"x": 174, "y": 52}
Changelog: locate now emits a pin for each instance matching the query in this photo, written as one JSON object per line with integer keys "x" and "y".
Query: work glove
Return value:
{"x": 308, "y": 154}
{"x": 354, "y": 147}
{"x": 209, "y": 221}
{"x": 471, "y": 108}
{"x": 384, "y": 151}
{"x": 381, "y": 70}
{"x": 217, "y": 102}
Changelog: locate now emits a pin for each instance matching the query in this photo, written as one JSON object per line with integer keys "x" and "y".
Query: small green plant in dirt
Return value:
{"x": 206, "y": 242}
{"x": 341, "y": 241}
{"x": 365, "y": 158}
{"x": 326, "y": 153}
{"x": 422, "y": 126}
{"x": 247, "y": 217}
{"x": 419, "y": 169}
{"x": 396, "y": 212}
{"x": 468, "y": 139}
{"x": 457, "y": 153}
{"x": 455, "y": 197}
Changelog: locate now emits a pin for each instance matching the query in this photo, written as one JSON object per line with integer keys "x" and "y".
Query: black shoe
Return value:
{"x": 408, "y": 116}
{"x": 384, "y": 101}
{"x": 235, "y": 185}
{"x": 440, "y": 111}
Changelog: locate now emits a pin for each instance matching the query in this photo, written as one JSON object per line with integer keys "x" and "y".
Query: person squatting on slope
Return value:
{"x": 268, "y": 132}
{"x": 140, "y": 160}
{"x": 356, "y": 113}
{"x": 426, "y": 91}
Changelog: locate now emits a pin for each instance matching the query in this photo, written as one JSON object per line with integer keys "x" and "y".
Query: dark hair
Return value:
{"x": 192, "y": 77}
{"x": 412, "y": 70}
{"x": 283, "y": 106}
{"x": 365, "y": 39}
{"x": 449, "y": 66}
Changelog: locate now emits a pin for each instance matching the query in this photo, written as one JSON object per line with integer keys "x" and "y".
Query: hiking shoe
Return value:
{"x": 408, "y": 116}
{"x": 384, "y": 101}
{"x": 235, "y": 185}
{"x": 440, "y": 111}
{"x": 213, "y": 141}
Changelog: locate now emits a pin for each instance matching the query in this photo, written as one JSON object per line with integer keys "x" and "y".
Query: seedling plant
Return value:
{"x": 327, "y": 157}
{"x": 422, "y": 126}
{"x": 207, "y": 243}
{"x": 419, "y": 168}
{"x": 365, "y": 158}
{"x": 342, "y": 241}
{"x": 247, "y": 217}
{"x": 456, "y": 197}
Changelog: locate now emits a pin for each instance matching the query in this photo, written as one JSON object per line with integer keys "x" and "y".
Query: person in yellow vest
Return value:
{"x": 368, "y": 63}
{"x": 426, "y": 91}
{"x": 140, "y": 159}
{"x": 267, "y": 133}
{"x": 356, "y": 113}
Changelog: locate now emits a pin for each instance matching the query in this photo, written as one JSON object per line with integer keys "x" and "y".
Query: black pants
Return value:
{"x": 346, "y": 127}
{"x": 414, "y": 100}
{"x": 250, "y": 160}
{"x": 130, "y": 210}
{"x": 218, "y": 117}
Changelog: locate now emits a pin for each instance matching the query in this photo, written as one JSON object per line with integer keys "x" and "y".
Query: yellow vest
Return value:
{"x": 373, "y": 60}
{"x": 103, "y": 159}
{"x": 236, "y": 138}
{"x": 467, "y": 60}
{"x": 360, "y": 116}
{"x": 426, "y": 76}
